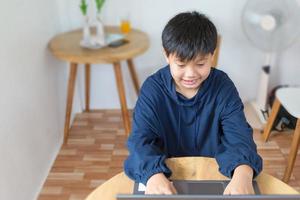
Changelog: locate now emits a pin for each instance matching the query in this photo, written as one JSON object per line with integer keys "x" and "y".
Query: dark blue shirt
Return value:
{"x": 167, "y": 124}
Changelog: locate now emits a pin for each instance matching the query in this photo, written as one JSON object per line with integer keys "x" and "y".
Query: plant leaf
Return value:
{"x": 99, "y": 5}
{"x": 83, "y": 7}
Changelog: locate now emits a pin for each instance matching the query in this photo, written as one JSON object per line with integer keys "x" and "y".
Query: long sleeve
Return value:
{"x": 146, "y": 154}
{"x": 236, "y": 146}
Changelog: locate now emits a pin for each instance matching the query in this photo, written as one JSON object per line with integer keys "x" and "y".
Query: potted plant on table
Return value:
{"x": 99, "y": 38}
{"x": 86, "y": 25}
{"x": 100, "y": 34}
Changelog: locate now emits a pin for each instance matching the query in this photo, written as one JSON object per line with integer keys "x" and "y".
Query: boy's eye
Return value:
{"x": 200, "y": 64}
{"x": 180, "y": 65}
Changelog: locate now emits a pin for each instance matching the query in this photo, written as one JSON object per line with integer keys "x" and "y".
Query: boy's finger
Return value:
{"x": 226, "y": 191}
{"x": 153, "y": 191}
{"x": 174, "y": 191}
{"x": 167, "y": 192}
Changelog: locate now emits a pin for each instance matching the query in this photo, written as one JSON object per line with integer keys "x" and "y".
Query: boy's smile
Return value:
{"x": 188, "y": 75}
{"x": 189, "y": 83}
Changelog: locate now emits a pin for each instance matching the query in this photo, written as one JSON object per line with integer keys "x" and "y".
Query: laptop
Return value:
{"x": 201, "y": 190}
{"x": 206, "y": 197}
{"x": 202, "y": 187}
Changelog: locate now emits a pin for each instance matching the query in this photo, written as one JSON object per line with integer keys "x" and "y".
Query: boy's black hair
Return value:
{"x": 188, "y": 35}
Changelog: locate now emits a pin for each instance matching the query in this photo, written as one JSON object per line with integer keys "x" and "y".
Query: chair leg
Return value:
{"x": 70, "y": 94}
{"x": 268, "y": 127}
{"x": 121, "y": 90}
{"x": 293, "y": 153}
{"x": 133, "y": 75}
{"x": 87, "y": 86}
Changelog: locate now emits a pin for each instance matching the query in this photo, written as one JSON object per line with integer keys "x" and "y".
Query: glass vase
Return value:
{"x": 86, "y": 33}
{"x": 100, "y": 33}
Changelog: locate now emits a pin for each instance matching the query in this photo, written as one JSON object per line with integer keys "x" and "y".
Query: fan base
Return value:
{"x": 254, "y": 116}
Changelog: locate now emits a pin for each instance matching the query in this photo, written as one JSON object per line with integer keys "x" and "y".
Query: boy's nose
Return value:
{"x": 189, "y": 72}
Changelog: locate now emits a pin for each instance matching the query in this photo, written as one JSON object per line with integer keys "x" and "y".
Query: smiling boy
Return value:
{"x": 189, "y": 108}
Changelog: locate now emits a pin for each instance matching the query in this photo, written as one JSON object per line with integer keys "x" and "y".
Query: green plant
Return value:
{"x": 99, "y": 5}
{"x": 83, "y": 7}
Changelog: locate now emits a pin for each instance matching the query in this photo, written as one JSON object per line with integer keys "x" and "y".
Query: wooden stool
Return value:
{"x": 66, "y": 47}
{"x": 289, "y": 98}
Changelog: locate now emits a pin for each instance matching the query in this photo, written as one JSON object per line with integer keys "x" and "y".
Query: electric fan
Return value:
{"x": 270, "y": 25}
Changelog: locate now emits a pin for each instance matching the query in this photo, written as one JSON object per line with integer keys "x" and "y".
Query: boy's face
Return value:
{"x": 188, "y": 76}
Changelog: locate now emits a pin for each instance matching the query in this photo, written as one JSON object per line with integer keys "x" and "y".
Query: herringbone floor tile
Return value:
{"x": 96, "y": 149}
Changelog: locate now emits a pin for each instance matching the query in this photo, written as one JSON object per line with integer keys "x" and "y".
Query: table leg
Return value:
{"x": 293, "y": 153}
{"x": 70, "y": 94}
{"x": 121, "y": 91}
{"x": 133, "y": 75}
{"x": 268, "y": 127}
{"x": 87, "y": 86}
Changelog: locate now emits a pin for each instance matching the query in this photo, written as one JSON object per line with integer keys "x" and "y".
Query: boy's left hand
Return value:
{"x": 241, "y": 182}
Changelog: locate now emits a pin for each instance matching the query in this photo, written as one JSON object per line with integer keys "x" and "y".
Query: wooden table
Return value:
{"x": 187, "y": 168}
{"x": 66, "y": 47}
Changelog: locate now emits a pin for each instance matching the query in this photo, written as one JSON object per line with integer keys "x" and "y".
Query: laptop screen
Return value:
{"x": 206, "y": 197}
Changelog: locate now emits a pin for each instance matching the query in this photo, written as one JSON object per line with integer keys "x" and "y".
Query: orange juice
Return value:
{"x": 125, "y": 26}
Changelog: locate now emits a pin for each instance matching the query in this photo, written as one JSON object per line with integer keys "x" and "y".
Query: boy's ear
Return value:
{"x": 166, "y": 57}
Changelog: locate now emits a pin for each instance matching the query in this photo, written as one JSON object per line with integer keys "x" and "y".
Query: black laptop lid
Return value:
{"x": 209, "y": 187}
{"x": 206, "y": 197}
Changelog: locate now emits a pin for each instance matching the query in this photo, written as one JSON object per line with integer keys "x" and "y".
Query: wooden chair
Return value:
{"x": 289, "y": 98}
{"x": 216, "y": 53}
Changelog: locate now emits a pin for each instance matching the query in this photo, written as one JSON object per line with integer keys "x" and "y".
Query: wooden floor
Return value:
{"x": 96, "y": 150}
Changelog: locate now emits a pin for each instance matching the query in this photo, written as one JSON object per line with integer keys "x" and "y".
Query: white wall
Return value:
{"x": 238, "y": 57}
{"x": 32, "y": 96}
{"x": 33, "y": 83}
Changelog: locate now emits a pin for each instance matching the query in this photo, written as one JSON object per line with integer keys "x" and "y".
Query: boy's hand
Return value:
{"x": 159, "y": 184}
{"x": 241, "y": 182}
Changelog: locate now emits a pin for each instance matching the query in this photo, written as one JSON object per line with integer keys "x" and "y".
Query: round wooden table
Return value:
{"x": 66, "y": 47}
{"x": 187, "y": 168}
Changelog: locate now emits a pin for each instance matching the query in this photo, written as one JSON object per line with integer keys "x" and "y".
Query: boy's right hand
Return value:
{"x": 159, "y": 184}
